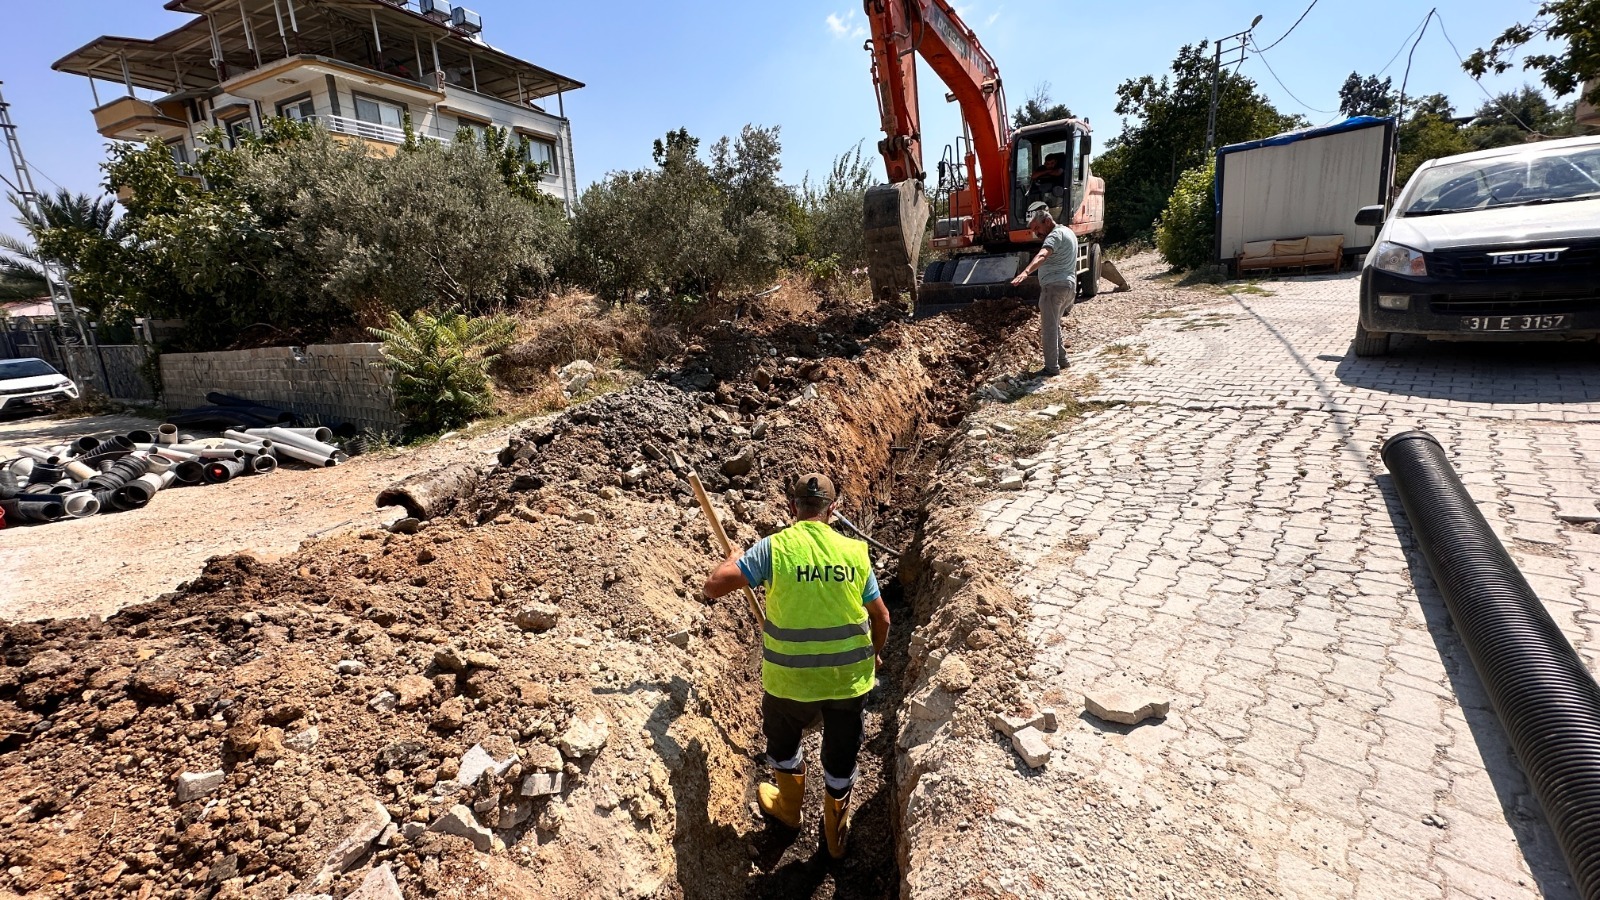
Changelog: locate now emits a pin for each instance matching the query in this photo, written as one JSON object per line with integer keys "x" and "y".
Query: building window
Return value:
{"x": 299, "y": 109}
{"x": 237, "y": 129}
{"x": 180, "y": 152}
{"x": 380, "y": 112}
{"x": 478, "y": 129}
{"x": 540, "y": 150}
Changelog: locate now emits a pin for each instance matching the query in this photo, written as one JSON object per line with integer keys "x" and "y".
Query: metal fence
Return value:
{"x": 114, "y": 370}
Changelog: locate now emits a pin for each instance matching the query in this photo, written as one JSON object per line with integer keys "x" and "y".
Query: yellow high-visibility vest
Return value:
{"x": 817, "y": 641}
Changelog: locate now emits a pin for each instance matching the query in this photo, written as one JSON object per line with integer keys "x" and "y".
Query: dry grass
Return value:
{"x": 563, "y": 328}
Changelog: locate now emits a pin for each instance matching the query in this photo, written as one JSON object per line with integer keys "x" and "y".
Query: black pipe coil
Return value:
{"x": 190, "y": 471}
{"x": 141, "y": 436}
{"x": 8, "y": 484}
{"x": 1544, "y": 695}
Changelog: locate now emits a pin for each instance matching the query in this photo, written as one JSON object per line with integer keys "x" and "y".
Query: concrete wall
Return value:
{"x": 334, "y": 382}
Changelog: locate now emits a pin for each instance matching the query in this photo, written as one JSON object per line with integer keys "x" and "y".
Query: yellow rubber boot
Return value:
{"x": 784, "y": 800}
{"x": 836, "y": 823}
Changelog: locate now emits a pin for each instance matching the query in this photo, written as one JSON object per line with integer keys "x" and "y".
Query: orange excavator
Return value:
{"x": 987, "y": 179}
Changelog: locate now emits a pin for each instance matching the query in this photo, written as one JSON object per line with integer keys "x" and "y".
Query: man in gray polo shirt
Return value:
{"x": 1057, "y": 265}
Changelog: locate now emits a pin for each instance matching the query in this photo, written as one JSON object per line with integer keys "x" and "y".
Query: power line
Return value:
{"x": 1402, "y": 47}
{"x": 1492, "y": 98}
{"x": 1400, "y": 112}
{"x": 1263, "y": 57}
{"x": 1291, "y": 29}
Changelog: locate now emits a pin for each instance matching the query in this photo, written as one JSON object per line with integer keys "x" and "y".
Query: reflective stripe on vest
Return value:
{"x": 817, "y": 642}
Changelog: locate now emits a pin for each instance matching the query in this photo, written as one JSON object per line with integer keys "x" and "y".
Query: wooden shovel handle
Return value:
{"x": 722, "y": 539}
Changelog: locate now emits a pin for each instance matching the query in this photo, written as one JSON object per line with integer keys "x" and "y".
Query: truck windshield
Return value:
{"x": 1551, "y": 176}
{"x": 25, "y": 368}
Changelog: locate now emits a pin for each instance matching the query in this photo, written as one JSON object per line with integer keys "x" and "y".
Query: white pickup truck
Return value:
{"x": 1496, "y": 245}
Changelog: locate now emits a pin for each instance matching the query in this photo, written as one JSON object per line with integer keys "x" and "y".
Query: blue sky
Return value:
{"x": 714, "y": 66}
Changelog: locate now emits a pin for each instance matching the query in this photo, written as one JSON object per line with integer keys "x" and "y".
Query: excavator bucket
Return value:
{"x": 895, "y": 217}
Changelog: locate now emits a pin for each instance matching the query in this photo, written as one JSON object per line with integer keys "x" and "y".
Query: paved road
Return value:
{"x": 1242, "y": 549}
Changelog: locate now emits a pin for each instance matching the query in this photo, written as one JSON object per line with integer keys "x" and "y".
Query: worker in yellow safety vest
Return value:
{"x": 822, "y": 646}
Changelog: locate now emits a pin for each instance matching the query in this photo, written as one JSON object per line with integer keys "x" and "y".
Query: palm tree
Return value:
{"x": 20, "y": 275}
{"x": 22, "y": 265}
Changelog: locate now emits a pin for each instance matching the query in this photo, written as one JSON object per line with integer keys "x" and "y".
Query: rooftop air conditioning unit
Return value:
{"x": 437, "y": 10}
{"x": 464, "y": 19}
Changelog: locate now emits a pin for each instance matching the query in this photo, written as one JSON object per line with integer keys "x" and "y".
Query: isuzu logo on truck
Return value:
{"x": 1526, "y": 257}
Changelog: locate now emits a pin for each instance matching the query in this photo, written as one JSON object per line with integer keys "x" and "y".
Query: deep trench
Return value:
{"x": 780, "y": 864}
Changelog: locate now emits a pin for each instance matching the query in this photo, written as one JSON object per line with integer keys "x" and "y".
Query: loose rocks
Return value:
{"x": 1128, "y": 705}
{"x": 461, "y": 822}
{"x": 1030, "y": 745}
{"x": 192, "y": 785}
{"x": 584, "y": 739}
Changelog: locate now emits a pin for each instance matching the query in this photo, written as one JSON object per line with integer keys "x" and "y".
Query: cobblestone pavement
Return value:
{"x": 1227, "y": 533}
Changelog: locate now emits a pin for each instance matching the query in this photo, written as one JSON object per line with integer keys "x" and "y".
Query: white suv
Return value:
{"x": 32, "y": 383}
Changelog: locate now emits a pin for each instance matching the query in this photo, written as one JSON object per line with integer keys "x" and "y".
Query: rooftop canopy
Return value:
{"x": 231, "y": 37}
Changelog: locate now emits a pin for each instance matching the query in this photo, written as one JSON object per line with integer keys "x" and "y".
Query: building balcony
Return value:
{"x": 133, "y": 119}
{"x": 294, "y": 74}
{"x": 371, "y": 132}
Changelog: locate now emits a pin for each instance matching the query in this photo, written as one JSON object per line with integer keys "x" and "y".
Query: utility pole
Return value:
{"x": 1241, "y": 38}
{"x": 71, "y": 324}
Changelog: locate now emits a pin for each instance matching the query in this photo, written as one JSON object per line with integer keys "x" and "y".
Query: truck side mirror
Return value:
{"x": 1083, "y": 157}
{"x": 1370, "y": 215}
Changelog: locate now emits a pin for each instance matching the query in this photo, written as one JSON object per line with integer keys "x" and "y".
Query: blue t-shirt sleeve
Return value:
{"x": 756, "y": 564}
{"x": 870, "y": 592}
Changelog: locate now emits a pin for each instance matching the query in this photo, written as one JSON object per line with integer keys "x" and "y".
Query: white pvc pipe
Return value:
{"x": 80, "y": 472}
{"x": 154, "y": 481}
{"x": 80, "y": 504}
{"x": 303, "y": 455}
{"x": 284, "y": 436}
{"x": 220, "y": 453}
{"x": 263, "y": 464}
{"x": 43, "y": 456}
{"x": 167, "y": 434}
{"x": 160, "y": 464}
{"x": 243, "y": 438}
{"x": 250, "y": 448}
{"x": 23, "y": 467}
{"x": 175, "y": 454}
{"x": 319, "y": 434}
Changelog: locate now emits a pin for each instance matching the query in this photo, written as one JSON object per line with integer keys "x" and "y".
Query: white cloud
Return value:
{"x": 845, "y": 27}
{"x": 993, "y": 18}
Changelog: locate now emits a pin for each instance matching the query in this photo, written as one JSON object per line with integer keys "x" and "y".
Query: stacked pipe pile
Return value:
{"x": 121, "y": 472}
{"x": 1540, "y": 689}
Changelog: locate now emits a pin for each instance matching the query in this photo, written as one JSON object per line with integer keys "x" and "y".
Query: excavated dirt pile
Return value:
{"x": 525, "y": 698}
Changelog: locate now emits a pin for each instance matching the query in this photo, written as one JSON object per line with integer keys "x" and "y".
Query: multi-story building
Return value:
{"x": 360, "y": 68}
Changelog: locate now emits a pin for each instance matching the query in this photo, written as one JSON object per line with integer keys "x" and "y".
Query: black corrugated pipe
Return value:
{"x": 8, "y": 483}
{"x": 133, "y": 495}
{"x": 1541, "y": 690}
{"x": 107, "y": 498}
{"x": 112, "y": 447}
{"x": 34, "y": 508}
{"x": 141, "y": 436}
{"x": 84, "y": 444}
{"x": 119, "y": 472}
{"x": 46, "y": 473}
{"x": 220, "y": 470}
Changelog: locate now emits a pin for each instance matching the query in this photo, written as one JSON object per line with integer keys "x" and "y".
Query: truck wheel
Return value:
{"x": 1089, "y": 284}
{"x": 1370, "y": 343}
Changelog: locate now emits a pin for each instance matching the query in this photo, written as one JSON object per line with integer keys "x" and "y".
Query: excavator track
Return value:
{"x": 895, "y": 217}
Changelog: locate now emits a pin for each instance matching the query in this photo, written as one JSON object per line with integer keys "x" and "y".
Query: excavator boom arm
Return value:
{"x": 905, "y": 29}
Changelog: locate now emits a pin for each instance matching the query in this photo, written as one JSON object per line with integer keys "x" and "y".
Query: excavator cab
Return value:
{"x": 1049, "y": 164}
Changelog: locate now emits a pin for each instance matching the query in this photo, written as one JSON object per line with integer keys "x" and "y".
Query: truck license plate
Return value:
{"x": 1513, "y": 323}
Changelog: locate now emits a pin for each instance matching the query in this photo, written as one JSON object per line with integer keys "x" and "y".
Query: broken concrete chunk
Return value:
{"x": 354, "y": 846}
{"x": 383, "y": 701}
{"x": 759, "y": 429}
{"x": 541, "y": 784}
{"x": 461, "y": 822}
{"x": 538, "y": 617}
{"x": 735, "y": 466}
{"x": 575, "y": 376}
{"x": 477, "y": 761}
{"x": 303, "y": 741}
{"x": 378, "y": 885}
{"x": 1010, "y": 483}
{"x": 412, "y": 691}
{"x": 192, "y": 785}
{"x": 1008, "y": 725}
{"x": 679, "y": 638}
{"x": 954, "y": 675}
{"x": 586, "y": 517}
{"x": 351, "y": 667}
{"x": 584, "y": 739}
{"x": 1125, "y": 705}
{"x": 1029, "y": 744}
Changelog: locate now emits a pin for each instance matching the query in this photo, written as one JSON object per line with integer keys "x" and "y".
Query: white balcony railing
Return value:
{"x": 371, "y": 131}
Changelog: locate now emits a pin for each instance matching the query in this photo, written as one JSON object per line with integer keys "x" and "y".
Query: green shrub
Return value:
{"x": 441, "y": 365}
{"x": 1186, "y": 233}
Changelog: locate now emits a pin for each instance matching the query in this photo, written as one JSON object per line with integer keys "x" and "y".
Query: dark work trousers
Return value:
{"x": 844, "y": 722}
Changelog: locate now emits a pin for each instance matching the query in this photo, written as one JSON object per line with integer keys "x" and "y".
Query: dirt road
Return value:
{"x": 81, "y": 567}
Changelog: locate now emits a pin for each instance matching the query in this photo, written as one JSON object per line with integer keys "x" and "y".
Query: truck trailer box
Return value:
{"x": 1303, "y": 184}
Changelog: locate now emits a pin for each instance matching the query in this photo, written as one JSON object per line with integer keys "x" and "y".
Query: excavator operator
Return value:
{"x": 822, "y": 647}
{"x": 1049, "y": 182}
